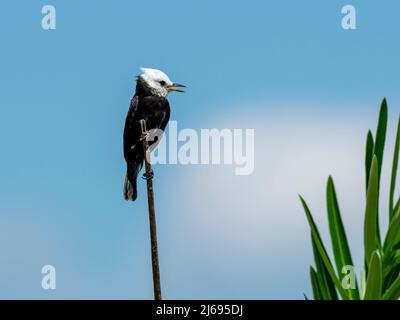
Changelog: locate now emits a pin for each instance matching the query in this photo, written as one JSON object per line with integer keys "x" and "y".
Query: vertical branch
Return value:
{"x": 152, "y": 215}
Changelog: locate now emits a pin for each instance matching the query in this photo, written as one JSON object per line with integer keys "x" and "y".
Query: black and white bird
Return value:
{"x": 149, "y": 103}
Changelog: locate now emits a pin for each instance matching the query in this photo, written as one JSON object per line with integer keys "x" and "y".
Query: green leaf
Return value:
{"x": 378, "y": 149}
{"x": 393, "y": 293}
{"x": 314, "y": 284}
{"x": 391, "y": 273}
{"x": 326, "y": 285}
{"x": 397, "y": 246}
{"x": 373, "y": 289}
{"x": 393, "y": 234}
{"x": 340, "y": 245}
{"x": 381, "y": 135}
{"x": 322, "y": 252}
{"x": 369, "y": 152}
{"x": 394, "y": 171}
{"x": 389, "y": 262}
{"x": 371, "y": 213}
{"x": 397, "y": 206}
{"x": 363, "y": 282}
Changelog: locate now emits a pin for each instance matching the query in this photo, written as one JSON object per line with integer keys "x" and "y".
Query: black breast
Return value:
{"x": 153, "y": 109}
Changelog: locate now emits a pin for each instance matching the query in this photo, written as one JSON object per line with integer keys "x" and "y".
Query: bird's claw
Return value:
{"x": 148, "y": 176}
{"x": 143, "y": 137}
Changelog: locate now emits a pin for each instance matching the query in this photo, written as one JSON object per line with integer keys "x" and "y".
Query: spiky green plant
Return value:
{"x": 380, "y": 277}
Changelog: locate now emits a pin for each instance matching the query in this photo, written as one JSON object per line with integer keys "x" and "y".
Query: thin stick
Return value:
{"x": 152, "y": 215}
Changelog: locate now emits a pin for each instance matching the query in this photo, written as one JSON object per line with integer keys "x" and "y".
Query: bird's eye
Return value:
{"x": 162, "y": 82}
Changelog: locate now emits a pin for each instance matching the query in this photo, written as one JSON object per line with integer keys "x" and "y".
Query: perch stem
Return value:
{"x": 152, "y": 215}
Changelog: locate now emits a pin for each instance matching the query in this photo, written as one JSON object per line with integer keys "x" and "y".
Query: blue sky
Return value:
{"x": 287, "y": 69}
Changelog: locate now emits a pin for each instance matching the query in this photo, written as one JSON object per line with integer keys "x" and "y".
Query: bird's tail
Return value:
{"x": 130, "y": 190}
{"x": 130, "y": 185}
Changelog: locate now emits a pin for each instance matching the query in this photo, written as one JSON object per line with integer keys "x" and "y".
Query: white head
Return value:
{"x": 158, "y": 82}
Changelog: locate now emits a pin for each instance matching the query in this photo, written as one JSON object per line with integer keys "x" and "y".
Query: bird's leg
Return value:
{"x": 143, "y": 137}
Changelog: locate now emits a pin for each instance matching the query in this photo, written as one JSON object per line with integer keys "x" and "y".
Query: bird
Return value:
{"x": 149, "y": 103}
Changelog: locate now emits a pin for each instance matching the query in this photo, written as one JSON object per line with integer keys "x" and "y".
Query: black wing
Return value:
{"x": 155, "y": 110}
{"x": 130, "y": 131}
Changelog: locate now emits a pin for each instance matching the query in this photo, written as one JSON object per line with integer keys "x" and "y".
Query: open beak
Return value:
{"x": 175, "y": 86}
